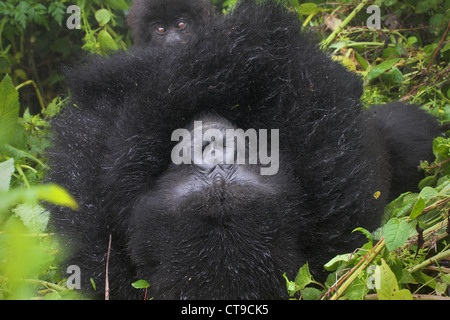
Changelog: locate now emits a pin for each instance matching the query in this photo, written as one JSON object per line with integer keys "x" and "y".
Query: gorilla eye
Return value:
{"x": 160, "y": 29}
{"x": 181, "y": 24}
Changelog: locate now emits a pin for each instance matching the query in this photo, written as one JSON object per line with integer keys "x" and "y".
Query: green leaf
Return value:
{"x": 93, "y": 284}
{"x": 361, "y": 61}
{"x": 140, "y": 284}
{"x": 107, "y": 43}
{"x": 399, "y": 207}
{"x": 303, "y": 277}
{"x": 117, "y": 4}
{"x": 404, "y": 294}
{"x": 6, "y": 171}
{"x": 334, "y": 263}
{"x": 394, "y": 76}
{"x": 388, "y": 286}
{"x": 33, "y": 216}
{"x": 427, "y": 193}
{"x": 418, "y": 208}
{"x": 396, "y": 232}
{"x": 357, "y": 290}
{"x": 9, "y": 110}
{"x": 311, "y": 294}
{"x": 428, "y": 181}
{"x": 102, "y": 16}
{"x": 307, "y": 8}
{"x": 382, "y": 67}
{"x": 48, "y": 192}
{"x": 366, "y": 233}
{"x": 390, "y": 52}
{"x": 290, "y": 286}
{"x": 18, "y": 154}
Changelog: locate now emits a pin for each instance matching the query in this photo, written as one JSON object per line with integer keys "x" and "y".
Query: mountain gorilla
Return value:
{"x": 207, "y": 230}
{"x": 167, "y": 22}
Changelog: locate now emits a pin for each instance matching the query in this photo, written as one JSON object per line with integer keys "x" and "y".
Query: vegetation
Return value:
{"x": 407, "y": 59}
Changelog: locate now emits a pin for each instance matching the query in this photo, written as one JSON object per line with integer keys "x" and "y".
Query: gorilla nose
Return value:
{"x": 173, "y": 38}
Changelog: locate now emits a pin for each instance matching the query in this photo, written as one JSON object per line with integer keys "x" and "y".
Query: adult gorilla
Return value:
{"x": 225, "y": 231}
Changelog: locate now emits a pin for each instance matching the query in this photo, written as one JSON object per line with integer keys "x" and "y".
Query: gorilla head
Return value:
{"x": 193, "y": 211}
{"x": 167, "y": 22}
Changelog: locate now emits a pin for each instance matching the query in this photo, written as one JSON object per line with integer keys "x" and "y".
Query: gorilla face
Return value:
{"x": 167, "y": 22}
{"x": 207, "y": 223}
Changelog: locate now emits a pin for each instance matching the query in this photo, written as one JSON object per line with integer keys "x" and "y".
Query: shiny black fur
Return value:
{"x": 232, "y": 240}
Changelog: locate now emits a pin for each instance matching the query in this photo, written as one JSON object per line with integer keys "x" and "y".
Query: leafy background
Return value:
{"x": 408, "y": 60}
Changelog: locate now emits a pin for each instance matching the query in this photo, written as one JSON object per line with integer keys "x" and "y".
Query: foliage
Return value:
{"x": 27, "y": 252}
{"x": 35, "y": 41}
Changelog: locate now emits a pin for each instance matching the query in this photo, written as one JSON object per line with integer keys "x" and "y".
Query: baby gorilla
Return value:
{"x": 194, "y": 225}
{"x": 167, "y": 22}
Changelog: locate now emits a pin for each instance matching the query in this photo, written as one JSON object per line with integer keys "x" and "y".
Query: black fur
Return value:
{"x": 147, "y": 15}
{"x": 255, "y": 69}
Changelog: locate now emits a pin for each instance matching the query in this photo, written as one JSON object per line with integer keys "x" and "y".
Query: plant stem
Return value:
{"x": 343, "y": 24}
{"x": 366, "y": 261}
{"x": 439, "y": 256}
{"x": 45, "y": 284}
{"x": 38, "y": 93}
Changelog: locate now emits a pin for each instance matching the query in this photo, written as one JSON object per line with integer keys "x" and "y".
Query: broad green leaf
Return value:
{"x": 307, "y": 8}
{"x": 390, "y": 52}
{"x": 6, "y": 171}
{"x": 357, "y": 290}
{"x": 446, "y": 278}
{"x": 399, "y": 207}
{"x": 140, "y": 284}
{"x": 396, "y": 232}
{"x": 382, "y": 67}
{"x": 33, "y": 216}
{"x": 428, "y": 181}
{"x": 412, "y": 40}
{"x": 388, "y": 287}
{"x": 19, "y": 154}
{"x": 102, "y": 16}
{"x": 427, "y": 193}
{"x": 303, "y": 277}
{"x": 310, "y": 294}
{"x": 393, "y": 75}
{"x": 9, "y": 110}
{"x": 117, "y": 4}
{"x": 49, "y": 192}
{"x": 107, "y": 43}
{"x": 404, "y": 294}
{"x": 417, "y": 209}
{"x": 334, "y": 263}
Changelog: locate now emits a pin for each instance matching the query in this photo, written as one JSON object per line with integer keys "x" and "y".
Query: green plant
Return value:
{"x": 27, "y": 251}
